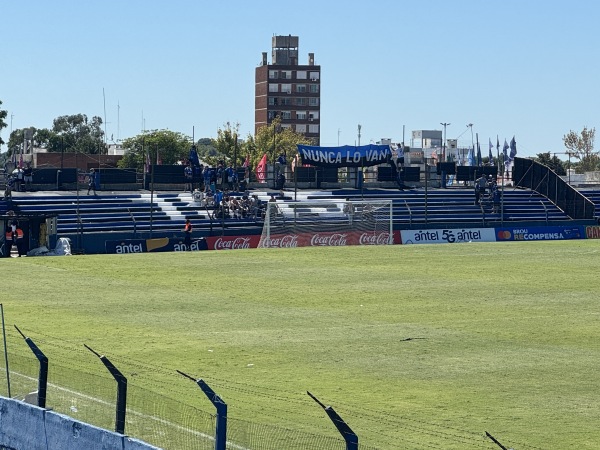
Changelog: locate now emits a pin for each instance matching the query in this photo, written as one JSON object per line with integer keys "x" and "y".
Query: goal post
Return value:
{"x": 327, "y": 223}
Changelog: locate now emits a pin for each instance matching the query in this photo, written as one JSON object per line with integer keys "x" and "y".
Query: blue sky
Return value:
{"x": 513, "y": 67}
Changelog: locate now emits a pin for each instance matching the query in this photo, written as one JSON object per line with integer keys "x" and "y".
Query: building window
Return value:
{"x": 301, "y": 75}
{"x": 272, "y": 74}
{"x": 286, "y": 115}
{"x": 314, "y": 76}
{"x": 314, "y": 88}
{"x": 285, "y": 101}
{"x": 313, "y": 115}
{"x": 287, "y": 74}
{"x": 301, "y": 102}
{"x": 271, "y": 114}
{"x": 271, "y": 101}
{"x": 313, "y": 129}
{"x": 301, "y": 88}
{"x": 301, "y": 115}
{"x": 286, "y": 88}
{"x": 301, "y": 128}
{"x": 285, "y": 125}
{"x": 313, "y": 101}
{"x": 273, "y": 88}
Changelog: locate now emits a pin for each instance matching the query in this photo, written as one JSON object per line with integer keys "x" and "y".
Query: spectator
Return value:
{"x": 480, "y": 185}
{"x": 229, "y": 172}
{"x": 20, "y": 241}
{"x": 91, "y": 181}
{"x": 28, "y": 176}
{"x": 187, "y": 229}
{"x": 9, "y": 239}
{"x": 188, "y": 173}
{"x": 280, "y": 164}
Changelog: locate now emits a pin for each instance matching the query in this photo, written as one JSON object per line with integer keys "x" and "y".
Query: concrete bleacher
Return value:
{"x": 455, "y": 206}
{"x": 166, "y": 212}
{"x": 594, "y": 196}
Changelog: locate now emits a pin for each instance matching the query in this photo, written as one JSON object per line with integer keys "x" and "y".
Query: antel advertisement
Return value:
{"x": 448, "y": 236}
{"x": 553, "y": 233}
{"x": 152, "y": 245}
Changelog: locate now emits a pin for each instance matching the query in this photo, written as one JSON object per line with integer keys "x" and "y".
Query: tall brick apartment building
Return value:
{"x": 288, "y": 90}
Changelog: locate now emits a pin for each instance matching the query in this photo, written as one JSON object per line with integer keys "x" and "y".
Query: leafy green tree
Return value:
{"x": 581, "y": 147}
{"x": 80, "y": 134}
{"x": 206, "y": 149}
{"x": 273, "y": 139}
{"x": 226, "y": 145}
{"x": 164, "y": 145}
{"x": 552, "y": 162}
{"x": 3, "y": 114}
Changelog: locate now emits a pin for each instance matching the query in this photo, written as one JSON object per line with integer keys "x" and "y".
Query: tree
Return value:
{"x": 79, "y": 134}
{"x": 164, "y": 145}
{"x": 552, "y": 162}
{"x": 274, "y": 139}
{"x": 226, "y": 145}
{"x": 581, "y": 147}
{"x": 3, "y": 114}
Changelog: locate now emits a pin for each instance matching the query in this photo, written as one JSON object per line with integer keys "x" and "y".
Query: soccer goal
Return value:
{"x": 327, "y": 223}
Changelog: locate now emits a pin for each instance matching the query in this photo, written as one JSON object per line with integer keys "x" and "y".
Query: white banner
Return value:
{"x": 448, "y": 236}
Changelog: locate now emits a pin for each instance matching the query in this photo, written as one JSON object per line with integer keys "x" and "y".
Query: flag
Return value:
{"x": 505, "y": 150}
{"x": 434, "y": 155}
{"x": 193, "y": 157}
{"x": 261, "y": 169}
{"x": 478, "y": 154}
{"x": 471, "y": 157}
{"x": 247, "y": 161}
{"x": 513, "y": 148}
{"x": 491, "y": 156}
{"x": 158, "y": 158}
{"x": 497, "y": 143}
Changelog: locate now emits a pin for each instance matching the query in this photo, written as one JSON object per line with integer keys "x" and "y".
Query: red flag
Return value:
{"x": 247, "y": 162}
{"x": 261, "y": 169}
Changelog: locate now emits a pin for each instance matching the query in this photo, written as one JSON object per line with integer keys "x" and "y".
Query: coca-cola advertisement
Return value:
{"x": 232, "y": 242}
{"x": 330, "y": 239}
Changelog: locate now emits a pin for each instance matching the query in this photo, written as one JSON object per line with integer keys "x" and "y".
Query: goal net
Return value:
{"x": 327, "y": 223}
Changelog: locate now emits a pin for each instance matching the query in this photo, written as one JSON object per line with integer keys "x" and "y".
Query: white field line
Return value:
{"x": 136, "y": 413}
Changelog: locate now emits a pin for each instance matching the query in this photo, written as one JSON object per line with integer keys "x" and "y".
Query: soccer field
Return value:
{"x": 424, "y": 346}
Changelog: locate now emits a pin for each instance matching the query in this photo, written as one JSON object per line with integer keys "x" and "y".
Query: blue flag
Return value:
{"x": 471, "y": 157}
{"x": 505, "y": 151}
{"x": 478, "y": 154}
{"x": 491, "y": 156}
{"x": 513, "y": 148}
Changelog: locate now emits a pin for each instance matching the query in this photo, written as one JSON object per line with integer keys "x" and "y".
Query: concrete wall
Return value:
{"x": 27, "y": 427}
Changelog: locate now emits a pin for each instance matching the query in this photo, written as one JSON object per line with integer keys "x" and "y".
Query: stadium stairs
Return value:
{"x": 140, "y": 214}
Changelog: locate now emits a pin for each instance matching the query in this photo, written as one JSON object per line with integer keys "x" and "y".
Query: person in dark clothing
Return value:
{"x": 91, "y": 181}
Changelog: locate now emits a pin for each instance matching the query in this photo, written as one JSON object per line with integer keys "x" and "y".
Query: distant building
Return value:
{"x": 288, "y": 90}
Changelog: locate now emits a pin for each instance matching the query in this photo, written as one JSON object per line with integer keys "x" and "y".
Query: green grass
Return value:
{"x": 503, "y": 337}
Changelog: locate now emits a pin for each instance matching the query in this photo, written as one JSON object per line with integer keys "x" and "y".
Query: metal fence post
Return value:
{"x": 349, "y": 436}
{"x": 221, "y": 426}
{"x": 121, "y": 391}
{"x": 43, "y": 374}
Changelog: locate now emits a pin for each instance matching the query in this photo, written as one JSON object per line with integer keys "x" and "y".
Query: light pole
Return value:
{"x": 444, "y": 124}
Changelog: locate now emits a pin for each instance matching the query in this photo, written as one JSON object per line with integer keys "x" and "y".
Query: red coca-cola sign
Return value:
{"x": 328, "y": 240}
{"x": 285, "y": 241}
{"x": 375, "y": 239}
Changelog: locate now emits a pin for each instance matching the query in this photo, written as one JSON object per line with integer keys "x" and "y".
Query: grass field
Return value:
{"x": 415, "y": 346}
